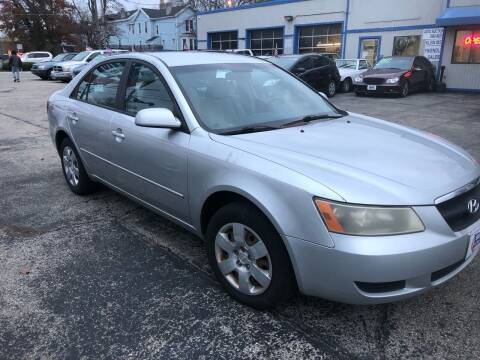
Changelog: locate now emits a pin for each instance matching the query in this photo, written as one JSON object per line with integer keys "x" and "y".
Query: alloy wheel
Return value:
{"x": 70, "y": 166}
{"x": 243, "y": 259}
{"x": 331, "y": 88}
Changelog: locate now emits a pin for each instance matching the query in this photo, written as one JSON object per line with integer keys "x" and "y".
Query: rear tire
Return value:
{"x": 73, "y": 170}
{"x": 405, "y": 91}
{"x": 331, "y": 89}
{"x": 248, "y": 256}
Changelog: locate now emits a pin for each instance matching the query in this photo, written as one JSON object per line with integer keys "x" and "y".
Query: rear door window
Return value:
{"x": 100, "y": 86}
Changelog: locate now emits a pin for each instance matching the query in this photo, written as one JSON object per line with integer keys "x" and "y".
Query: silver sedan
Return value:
{"x": 289, "y": 192}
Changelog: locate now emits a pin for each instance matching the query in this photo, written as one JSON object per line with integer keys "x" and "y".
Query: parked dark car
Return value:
{"x": 44, "y": 69}
{"x": 316, "y": 70}
{"x": 397, "y": 74}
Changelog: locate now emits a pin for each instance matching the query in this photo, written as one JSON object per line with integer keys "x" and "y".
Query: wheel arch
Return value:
{"x": 223, "y": 196}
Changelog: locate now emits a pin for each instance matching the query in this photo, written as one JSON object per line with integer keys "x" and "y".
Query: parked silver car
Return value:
{"x": 289, "y": 192}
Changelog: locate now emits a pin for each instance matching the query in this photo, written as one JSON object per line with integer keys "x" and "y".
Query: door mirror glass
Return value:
{"x": 157, "y": 118}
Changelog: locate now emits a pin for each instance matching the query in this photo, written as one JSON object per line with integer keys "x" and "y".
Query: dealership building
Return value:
{"x": 445, "y": 31}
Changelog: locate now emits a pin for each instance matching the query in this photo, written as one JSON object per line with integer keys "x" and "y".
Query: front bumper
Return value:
{"x": 371, "y": 270}
{"x": 62, "y": 75}
{"x": 41, "y": 72}
{"x": 380, "y": 89}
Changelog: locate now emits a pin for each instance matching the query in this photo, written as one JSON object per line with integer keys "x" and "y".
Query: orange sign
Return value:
{"x": 471, "y": 40}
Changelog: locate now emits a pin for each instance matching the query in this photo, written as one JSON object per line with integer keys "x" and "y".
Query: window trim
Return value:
{"x": 419, "y": 37}
{"x": 209, "y": 38}
{"x": 121, "y": 90}
{"x": 452, "y": 60}
{"x": 296, "y": 34}
{"x": 73, "y": 94}
{"x": 248, "y": 36}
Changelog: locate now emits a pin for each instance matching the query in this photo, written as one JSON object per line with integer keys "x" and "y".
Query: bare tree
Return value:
{"x": 93, "y": 25}
{"x": 204, "y": 5}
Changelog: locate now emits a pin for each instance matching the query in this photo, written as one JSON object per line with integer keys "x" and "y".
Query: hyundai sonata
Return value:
{"x": 289, "y": 192}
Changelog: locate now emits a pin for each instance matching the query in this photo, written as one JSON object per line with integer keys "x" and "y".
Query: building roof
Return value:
{"x": 151, "y": 13}
{"x": 465, "y": 15}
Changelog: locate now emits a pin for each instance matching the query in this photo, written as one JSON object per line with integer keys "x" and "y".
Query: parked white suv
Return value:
{"x": 64, "y": 71}
{"x": 36, "y": 56}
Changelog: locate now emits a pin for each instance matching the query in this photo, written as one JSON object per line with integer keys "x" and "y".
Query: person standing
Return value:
{"x": 15, "y": 64}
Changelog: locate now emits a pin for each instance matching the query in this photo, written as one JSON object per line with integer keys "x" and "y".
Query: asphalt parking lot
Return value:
{"x": 101, "y": 277}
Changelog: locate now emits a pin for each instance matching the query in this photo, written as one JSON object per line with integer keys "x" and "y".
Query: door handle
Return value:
{"x": 118, "y": 134}
{"x": 73, "y": 118}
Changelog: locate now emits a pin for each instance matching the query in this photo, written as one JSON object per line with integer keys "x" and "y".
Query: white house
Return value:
{"x": 169, "y": 28}
{"x": 446, "y": 31}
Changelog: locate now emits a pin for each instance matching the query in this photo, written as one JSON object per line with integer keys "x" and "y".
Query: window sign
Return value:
{"x": 432, "y": 43}
{"x": 467, "y": 47}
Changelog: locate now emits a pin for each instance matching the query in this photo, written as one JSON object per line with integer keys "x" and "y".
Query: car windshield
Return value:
{"x": 285, "y": 62}
{"x": 81, "y": 56}
{"x": 60, "y": 57}
{"x": 401, "y": 63}
{"x": 346, "y": 64}
{"x": 228, "y": 97}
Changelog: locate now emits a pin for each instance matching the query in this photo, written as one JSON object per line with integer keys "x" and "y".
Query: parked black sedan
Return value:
{"x": 397, "y": 74}
{"x": 44, "y": 69}
{"x": 318, "y": 71}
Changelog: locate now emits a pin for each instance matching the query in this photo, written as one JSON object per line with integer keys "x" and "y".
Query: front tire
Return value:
{"x": 73, "y": 170}
{"x": 248, "y": 256}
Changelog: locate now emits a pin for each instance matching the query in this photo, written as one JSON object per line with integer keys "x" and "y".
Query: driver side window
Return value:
{"x": 303, "y": 65}
{"x": 145, "y": 89}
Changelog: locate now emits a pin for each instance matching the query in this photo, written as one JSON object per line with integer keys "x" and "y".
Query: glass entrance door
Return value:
{"x": 369, "y": 48}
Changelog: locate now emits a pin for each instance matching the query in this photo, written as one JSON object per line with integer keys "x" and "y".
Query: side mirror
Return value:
{"x": 322, "y": 94}
{"x": 417, "y": 69}
{"x": 299, "y": 70}
{"x": 157, "y": 118}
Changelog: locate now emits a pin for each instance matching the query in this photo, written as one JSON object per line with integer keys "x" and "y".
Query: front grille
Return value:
{"x": 445, "y": 271}
{"x": 455, "y": 211}
{"x": 380, "y": 287}
{"x": 57, "y": 68}
{"x": 373, "y": 81}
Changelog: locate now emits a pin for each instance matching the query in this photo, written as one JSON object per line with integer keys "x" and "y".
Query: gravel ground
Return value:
{"x": 101, "y": 277}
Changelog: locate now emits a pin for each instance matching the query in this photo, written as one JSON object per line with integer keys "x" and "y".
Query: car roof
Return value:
{"x": 183, "y": 58}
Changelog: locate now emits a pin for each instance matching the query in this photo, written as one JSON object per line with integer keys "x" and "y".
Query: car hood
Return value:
{"x": 365, "y": 160}
{"x": 71, "y": 63}
{"x": 384, "y": 73}
{"x": 349, "y": 72}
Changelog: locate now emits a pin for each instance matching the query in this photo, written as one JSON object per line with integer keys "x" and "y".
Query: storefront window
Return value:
{"x": 266, "y": 41}
{"x": 406, "y": 45}
{"x": 224, "y": 40}
{"x": 320, "y": 39}
{"x": 467, "y": 47}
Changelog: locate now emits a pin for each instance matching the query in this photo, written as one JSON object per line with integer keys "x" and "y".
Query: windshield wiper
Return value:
{"x": 250, "y": 129}
{"x": 309, "y": 118}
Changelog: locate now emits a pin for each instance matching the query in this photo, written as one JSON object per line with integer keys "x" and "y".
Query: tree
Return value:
{"x": 91, "y": 18}
{"x": 38, "y": 24}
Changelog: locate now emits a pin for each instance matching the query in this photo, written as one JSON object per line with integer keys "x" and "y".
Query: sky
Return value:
{"x": 133, "y": 4}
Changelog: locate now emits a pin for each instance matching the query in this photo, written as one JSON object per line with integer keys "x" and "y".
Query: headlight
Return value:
{"x": 359, "y": 79}
{"x": 393, "y": 80}
{"x": 368, "y": 220}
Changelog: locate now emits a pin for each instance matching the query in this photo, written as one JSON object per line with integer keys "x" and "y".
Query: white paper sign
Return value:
{"x": 432, "y": 43}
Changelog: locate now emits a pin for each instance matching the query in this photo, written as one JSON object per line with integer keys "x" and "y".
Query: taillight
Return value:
{"x": 407, "y": 74}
